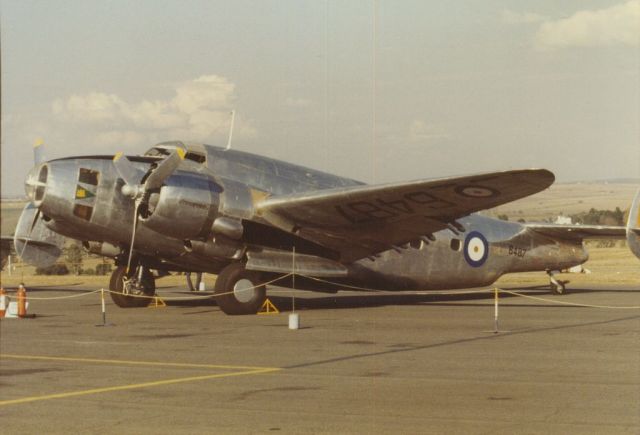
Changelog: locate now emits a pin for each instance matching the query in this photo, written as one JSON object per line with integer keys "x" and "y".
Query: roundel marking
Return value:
{"x": 471, "y": 191}
{"x": 476, "y": 249}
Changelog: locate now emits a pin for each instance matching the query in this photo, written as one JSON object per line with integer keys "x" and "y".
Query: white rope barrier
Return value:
{"x": 553, "y": 301}
{"x": 344, "y": 286}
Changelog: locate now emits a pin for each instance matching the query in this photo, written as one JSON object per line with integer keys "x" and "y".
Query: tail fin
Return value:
{"x": 633, "y": 226}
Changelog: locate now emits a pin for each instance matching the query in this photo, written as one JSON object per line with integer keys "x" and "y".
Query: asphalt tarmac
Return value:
{"x": 360, "y": 363}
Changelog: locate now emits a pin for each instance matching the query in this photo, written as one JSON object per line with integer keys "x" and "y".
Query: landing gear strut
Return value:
{"x": 557, "y": 286}
{"x": 238, "y": 290}
{"x": 126, "y": 289}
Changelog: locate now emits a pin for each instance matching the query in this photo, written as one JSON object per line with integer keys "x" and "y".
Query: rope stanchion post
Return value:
{"x": 104, "y": 309}
{"x": 495, "y": 311}
{"x": 294, "y": 318}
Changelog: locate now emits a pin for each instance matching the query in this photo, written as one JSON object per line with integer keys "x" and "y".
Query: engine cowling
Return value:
{"x": 185, "y": 207}
{"x": 195, "y": 206}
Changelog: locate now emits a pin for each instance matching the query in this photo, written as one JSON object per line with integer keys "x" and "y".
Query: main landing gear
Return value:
{"x": 557, "y": 286}
{"x": 134, "y": 289}
{"x": 238, "y": 290}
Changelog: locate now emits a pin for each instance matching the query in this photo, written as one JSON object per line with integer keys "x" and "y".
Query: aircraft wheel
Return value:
{"x": 147, "y": 287}
{"x": 238, "y": 291}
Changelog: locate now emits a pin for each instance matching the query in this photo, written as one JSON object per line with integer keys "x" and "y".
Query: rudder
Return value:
{"x": 633, "y": 226}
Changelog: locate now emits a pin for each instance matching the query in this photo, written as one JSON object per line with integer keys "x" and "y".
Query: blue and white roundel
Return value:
{"x": 476, "y": 249}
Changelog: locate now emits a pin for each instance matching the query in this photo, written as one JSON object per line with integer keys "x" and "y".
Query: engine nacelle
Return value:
{"x": 186, "y": 206}
{"x": 195, "y": 206}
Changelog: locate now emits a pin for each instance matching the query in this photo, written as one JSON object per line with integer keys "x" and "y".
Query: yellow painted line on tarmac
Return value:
{"x": 246, "y": 371}
{"x": 140, "y": 363}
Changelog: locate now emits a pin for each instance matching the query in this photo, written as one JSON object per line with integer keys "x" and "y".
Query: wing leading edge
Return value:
{"x": 361, "y": 221}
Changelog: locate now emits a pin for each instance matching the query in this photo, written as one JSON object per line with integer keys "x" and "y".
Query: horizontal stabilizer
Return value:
{"x": 579, "y": 232}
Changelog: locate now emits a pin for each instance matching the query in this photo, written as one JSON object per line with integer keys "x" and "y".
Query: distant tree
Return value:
{"x": 54, "y": 269}
{"x": 103, "y": 269}
{"x": 522, "y": 221}
{"x": 503, "y": 217}
{"x": 74, "y": 259}
{"x": 600, "y": 217}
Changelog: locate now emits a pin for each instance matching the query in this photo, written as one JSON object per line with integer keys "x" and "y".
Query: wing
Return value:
{"x": 579, "y": 232}
{"x": 361, "y": 221}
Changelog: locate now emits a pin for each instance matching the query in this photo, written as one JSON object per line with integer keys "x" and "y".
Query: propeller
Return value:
{"x": 139, "y": 185}
{"x": 33, "y": 241}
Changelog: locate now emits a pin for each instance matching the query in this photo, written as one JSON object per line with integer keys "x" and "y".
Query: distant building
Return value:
{"x": 564, "y": 220}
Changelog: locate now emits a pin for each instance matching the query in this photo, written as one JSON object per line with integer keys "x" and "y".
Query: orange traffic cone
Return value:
{"x": 22, "y": 301}
{"x": 3, "y": 302}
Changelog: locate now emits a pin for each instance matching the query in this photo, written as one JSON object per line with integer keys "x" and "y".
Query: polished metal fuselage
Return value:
{"x": 231, "y": 180}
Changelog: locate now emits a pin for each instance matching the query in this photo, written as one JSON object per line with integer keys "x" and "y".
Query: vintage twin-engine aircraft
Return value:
{"x": 247, "y": 218}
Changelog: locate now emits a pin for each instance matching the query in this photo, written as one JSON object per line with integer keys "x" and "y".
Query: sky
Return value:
{"x": 377, "y": 90}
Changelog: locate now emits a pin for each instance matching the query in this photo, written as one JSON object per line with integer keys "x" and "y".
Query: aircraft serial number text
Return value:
{"x": 363, "y": 211}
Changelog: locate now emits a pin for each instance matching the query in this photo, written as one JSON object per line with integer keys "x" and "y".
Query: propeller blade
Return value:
{"x": 133, "y": 235}
{"x": 34, "y": 242}
{"x": 35, "y": 221}
{"x": 126, "y": 170}
{"x": 164, "y": 170}
{"x": 38, "y": 152}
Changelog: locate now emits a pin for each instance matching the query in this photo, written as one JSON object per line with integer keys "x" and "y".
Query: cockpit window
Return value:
{"x": 88, "y": 176}
{"x": 196, "y": 157}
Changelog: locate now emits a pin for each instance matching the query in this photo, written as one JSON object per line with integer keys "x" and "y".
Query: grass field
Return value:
{"x": 10, "y": 213}
{"x": 570, "y": 198}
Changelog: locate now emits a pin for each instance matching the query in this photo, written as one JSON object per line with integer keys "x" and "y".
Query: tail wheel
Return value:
{"x": 125, "y": 290}
{"x": 238, "y": 290}
{"x": 558, "y": 288}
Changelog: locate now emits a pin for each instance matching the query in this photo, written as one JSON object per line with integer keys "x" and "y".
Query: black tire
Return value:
{"x": 231, "y": 297}
{"x": 116, "y": 286}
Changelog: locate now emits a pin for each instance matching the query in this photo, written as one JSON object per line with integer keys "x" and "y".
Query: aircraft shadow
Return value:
{"x": 419, "y": 347}
{"x": 368, "y": 300}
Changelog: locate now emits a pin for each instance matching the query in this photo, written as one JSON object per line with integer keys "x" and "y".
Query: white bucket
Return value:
{"x": 294, "y": 321}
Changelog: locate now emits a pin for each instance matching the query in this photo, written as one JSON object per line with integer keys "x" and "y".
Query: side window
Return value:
{"x": 455, "y": 244}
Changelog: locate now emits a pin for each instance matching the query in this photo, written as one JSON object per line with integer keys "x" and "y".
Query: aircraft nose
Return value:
{"x": 36, "y": 183}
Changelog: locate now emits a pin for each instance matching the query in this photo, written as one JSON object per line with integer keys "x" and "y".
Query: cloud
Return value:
{"x": 297, "y": 102}
{"x": 420, "y": 131}
{"x": 616, "y": 25}
{"x": 199, "y": 111}
{"x": 511, "y": 17}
